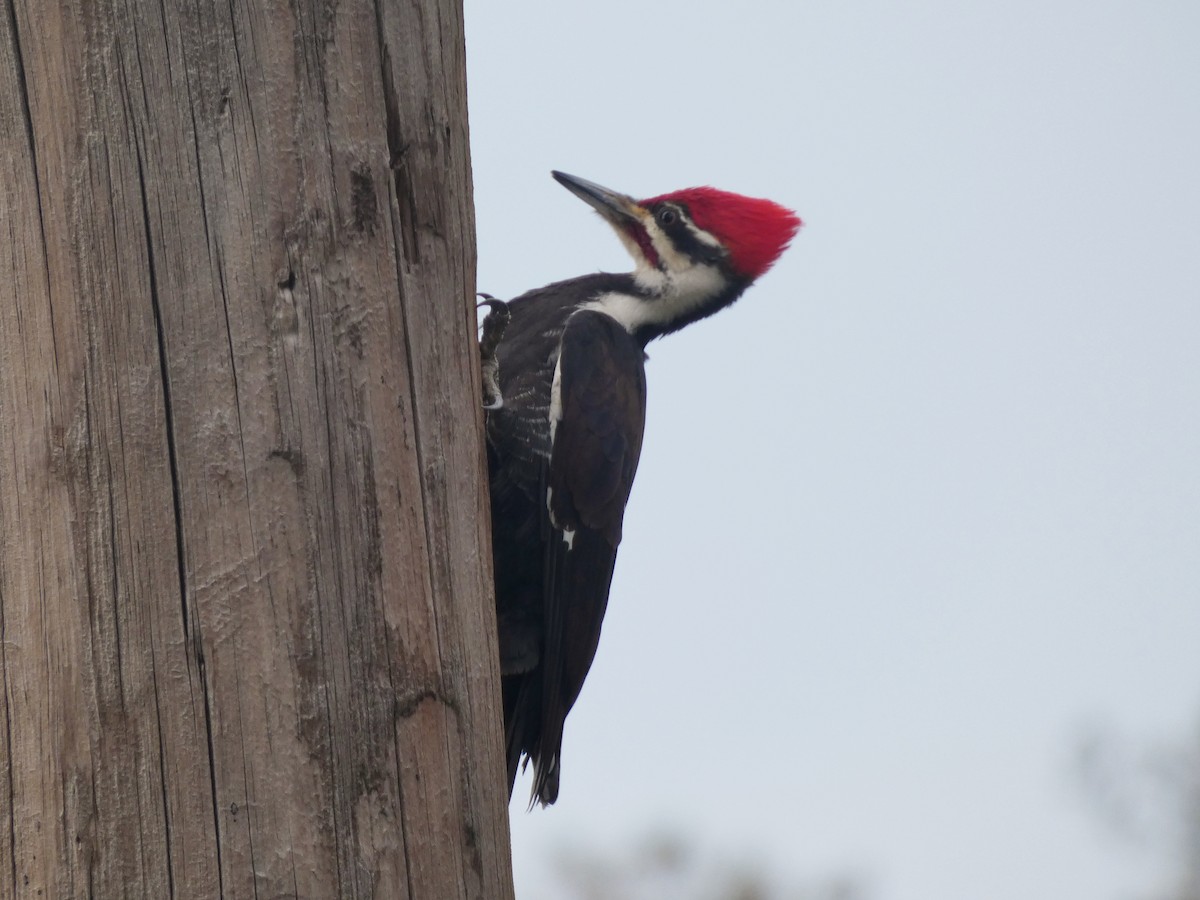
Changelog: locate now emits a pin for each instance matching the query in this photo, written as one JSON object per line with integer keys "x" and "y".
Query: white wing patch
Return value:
{"x": 556, "y": 412}
{"x": 568, "y": 534}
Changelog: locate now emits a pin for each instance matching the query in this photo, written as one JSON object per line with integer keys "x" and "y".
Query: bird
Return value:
{"x": 564, "y": 435}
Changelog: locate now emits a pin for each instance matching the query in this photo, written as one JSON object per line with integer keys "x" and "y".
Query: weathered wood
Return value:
{"x": 246, "y": 634}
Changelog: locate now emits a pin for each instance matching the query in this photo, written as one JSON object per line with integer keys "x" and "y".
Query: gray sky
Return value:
{"x": 922, "y": 507}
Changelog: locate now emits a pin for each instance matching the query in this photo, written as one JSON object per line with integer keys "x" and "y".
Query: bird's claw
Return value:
{"x": 493, "y": 327}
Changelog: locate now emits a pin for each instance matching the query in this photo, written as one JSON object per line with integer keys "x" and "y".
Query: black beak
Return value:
{"x": 618, "y": 209}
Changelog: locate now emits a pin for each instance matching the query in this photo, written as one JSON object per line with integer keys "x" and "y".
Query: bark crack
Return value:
{"x": 402, "y": 187}
{"x": 237, "y": 394}
{"x": 8, "y": 748}
{"x": 212, "y": 767}
{"x": 168, "y": 409}
{"x": 115, "y": 585}
{"x": 177, "y": 501}
{"x": 326, "y": 660}
{"x": 27, "y": 116}
{"x": 407, "y": 254}
{"x": 247, "y": 779}
{"x": 162, "y": 774}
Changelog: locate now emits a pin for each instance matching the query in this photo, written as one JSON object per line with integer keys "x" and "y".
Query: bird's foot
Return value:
{"x": 492, "y": 330}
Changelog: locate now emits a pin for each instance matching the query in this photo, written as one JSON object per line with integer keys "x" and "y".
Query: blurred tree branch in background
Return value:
{"x": 671, "y": 867}
{"x": 1149, "y": 794}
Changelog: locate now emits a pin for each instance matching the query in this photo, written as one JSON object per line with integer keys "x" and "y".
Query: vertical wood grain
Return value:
{"x": 247, "y": 643}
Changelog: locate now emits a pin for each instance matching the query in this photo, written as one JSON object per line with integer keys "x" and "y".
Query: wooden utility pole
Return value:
{"x": 247, "y": 642}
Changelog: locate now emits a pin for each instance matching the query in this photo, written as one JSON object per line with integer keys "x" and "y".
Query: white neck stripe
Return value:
{"x": 674, "y": 296}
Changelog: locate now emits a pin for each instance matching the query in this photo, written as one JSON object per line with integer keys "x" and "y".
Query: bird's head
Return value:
{"x": 695, "y": 250}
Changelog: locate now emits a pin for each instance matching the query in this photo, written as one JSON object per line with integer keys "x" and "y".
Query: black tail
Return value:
{"x": 523, "y": 735}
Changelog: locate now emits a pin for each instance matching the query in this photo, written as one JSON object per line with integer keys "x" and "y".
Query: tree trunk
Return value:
{"x": 246, "y": 632}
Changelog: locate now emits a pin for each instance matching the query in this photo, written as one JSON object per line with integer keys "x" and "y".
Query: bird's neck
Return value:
{"x": 659, "y": 302}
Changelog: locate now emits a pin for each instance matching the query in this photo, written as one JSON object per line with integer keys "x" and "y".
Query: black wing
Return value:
{"x": 598, "y": 411}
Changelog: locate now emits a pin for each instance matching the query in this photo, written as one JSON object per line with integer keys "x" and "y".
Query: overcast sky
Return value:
{"x": 924, "y": 506}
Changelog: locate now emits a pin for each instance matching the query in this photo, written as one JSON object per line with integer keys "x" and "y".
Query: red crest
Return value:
{"x": 755, "y": 231}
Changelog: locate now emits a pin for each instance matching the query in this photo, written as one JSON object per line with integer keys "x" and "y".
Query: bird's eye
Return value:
{"x": 667, "y": 216}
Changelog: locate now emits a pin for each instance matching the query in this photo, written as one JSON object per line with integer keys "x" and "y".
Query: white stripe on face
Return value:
{"x": 679, "y": 284}
{"x": 699, "y": 233}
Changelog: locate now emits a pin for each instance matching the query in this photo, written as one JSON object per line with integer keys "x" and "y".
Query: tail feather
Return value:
{"x": 523, "y": 734}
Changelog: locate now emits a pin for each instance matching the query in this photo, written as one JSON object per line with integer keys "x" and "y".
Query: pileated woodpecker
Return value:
{"x": 564, "y": 441}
